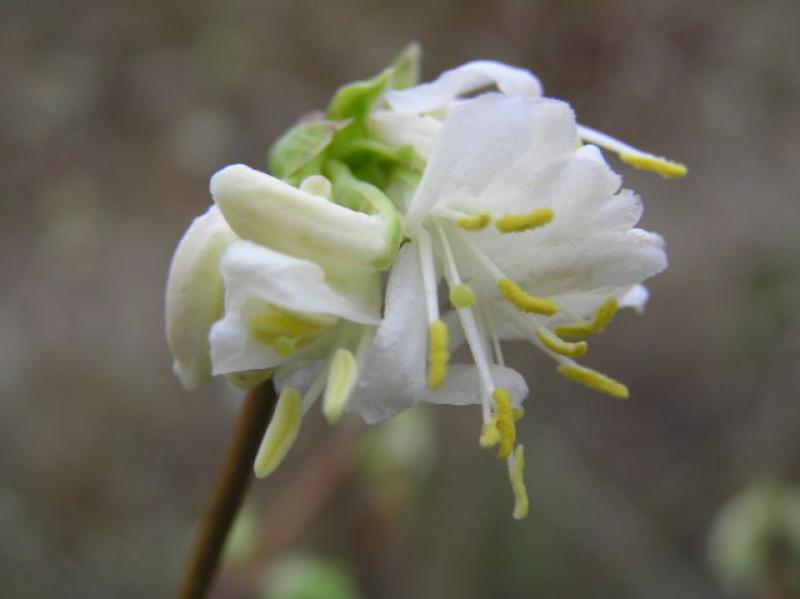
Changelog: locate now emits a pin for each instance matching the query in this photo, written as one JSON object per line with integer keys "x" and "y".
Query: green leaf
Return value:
{"x": 309, "y": 577}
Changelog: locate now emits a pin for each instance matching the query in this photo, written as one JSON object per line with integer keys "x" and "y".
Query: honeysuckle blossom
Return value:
{"x": 529, "y": 229}
{"x": 501, "y": 197}
{"x": 317, "y": 323}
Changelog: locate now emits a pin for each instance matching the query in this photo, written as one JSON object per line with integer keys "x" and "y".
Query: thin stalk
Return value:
{"x": 256, "y": 412}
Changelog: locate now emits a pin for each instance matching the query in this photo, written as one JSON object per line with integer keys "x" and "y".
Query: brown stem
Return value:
{"x": 317, "y": 481}
{"x": 256, "y": 412}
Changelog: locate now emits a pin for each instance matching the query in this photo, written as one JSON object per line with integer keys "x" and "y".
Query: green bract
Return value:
{"x": 341, "y": 134}
{"x": 300, "y": 149}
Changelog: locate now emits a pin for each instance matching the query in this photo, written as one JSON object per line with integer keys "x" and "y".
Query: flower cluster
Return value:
{"x": 326, "y": 274}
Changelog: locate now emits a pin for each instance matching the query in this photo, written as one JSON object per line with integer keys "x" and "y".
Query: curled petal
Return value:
{"x": 255, "y": 277}
{"x": 467, "y": 78}
{"x": 194, "y": 296}
{"x": 277, "y": 215}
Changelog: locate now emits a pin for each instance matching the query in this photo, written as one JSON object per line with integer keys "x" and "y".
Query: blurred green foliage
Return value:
{"x": 308, "y": 577}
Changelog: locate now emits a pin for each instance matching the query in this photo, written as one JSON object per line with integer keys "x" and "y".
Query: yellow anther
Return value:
{"x": 299, "y": 328}
{"x": 342, "y": 377}
{"x": 516, "y": 223}
{"x": 490, "y": 435}
{"x": 504, "y": 414}
{"x": 595, "y": 380}
{"x": 281, "y": 432}
{"x": 474, "y": 222}
{"x": 655, "y": 164}
{"x": 558, "y": 345}
{"x": 516, "y": 469}
{"x": 438, "y": 353}
{"x": 524, "y": 302}
{"x": 605, "y": 314}
{"x": 284, "y": 346}
{"x": 519, "y": 413}
{"x": 462, "y": 296}
{"x": 600, "y": 320}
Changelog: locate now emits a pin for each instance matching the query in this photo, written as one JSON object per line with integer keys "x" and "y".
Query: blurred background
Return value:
{"x": 113, "y": 115}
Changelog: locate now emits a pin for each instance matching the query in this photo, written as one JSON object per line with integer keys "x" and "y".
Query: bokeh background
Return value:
{"x": 114, "y": 114}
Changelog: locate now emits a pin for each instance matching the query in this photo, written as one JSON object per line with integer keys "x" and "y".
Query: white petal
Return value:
{"x": 590, "y": 152}
{"x": 462, "y": 386}
{"x": 399, "y": 130}
{"x": 234, "y": 349}
{"x": 266, "y": 210}
{"x": 251, "y": 271}
{"x": 462, "y": 80}
{"x": 636, "y": 298}
{"x": 194, "y": 295}
{"x": 484, "y": 137}
{"x": 255, "y": 276}
{"x": 585, "y": 263}
{"x": 299, "y": 374}
{"x": 393, "y": 370}
{"x": 574, "y": 187}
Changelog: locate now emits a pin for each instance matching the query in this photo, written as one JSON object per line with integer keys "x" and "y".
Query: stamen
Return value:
{"x": 299, "y": 328}
{"x": 516, "y": 223}
{"x": 438, "y": 353}
{"x": 490, "y": 435}
{"x": 629, "y": 154}
{"x": 519, "y": 413}
{"x": 462, "y": 296}
{"x": 600, "y": 320}
{"x": 668, "y": 169}
{"x": 281, "y": 433}
{"x": 516, "y": 467}
{"x": 284, "y": 346}
{"x": 558, "y": 345}
{"x": 593, "y": 379}
{"x": 525, "y": 302}
{"x": 425, "y": 251}
{"x": 342, "y": 377}
{"x": 506, "y": 428}
{"x": 474, "y": 222}
{"x": 491, "y": 330}
{"x": 466, "y": 318}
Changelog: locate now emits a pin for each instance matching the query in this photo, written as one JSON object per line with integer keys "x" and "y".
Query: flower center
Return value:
{"x": 286, "y": 331}
{"x": 528, "y": 314}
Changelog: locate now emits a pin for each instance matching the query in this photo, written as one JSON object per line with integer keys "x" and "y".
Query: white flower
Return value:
{"x": 317, "y": 323}
{"x": 528, "y": 228}
{"x": 494, "y": 195}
